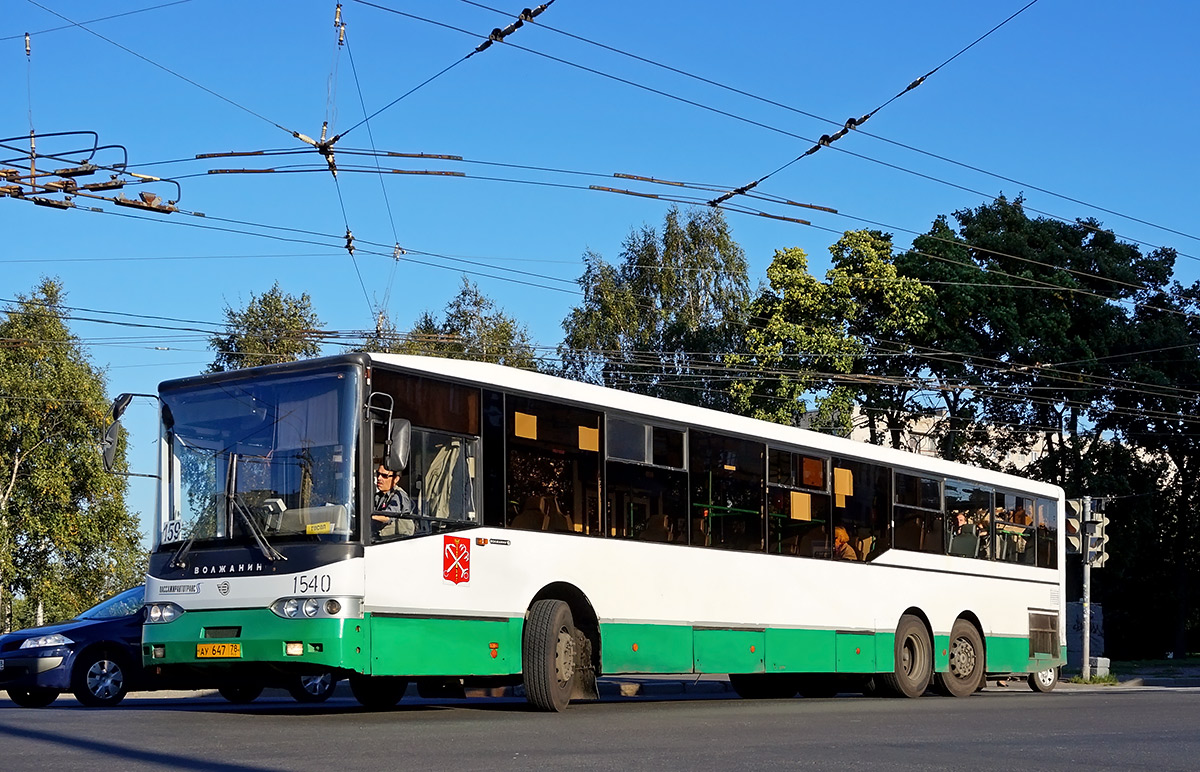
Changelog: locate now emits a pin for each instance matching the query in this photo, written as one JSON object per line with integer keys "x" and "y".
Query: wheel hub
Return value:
{"x": 962, "y": 658}
{"x": 564, "y": 657}
{"x": 104, "y": 679}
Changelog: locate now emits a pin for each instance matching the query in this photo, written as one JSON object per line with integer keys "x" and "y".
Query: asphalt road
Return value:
{"x": 1012, "y": 729}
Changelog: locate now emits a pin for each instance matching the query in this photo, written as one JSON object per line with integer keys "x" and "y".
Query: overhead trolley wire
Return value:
{"x": 93, "y": 21}
{"x": 164, "y": 68}
{"x": 853, "y": 123}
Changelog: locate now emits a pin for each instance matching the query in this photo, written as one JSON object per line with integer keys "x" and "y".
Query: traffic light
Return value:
{"x": 1074, "y": 531}
{"x": 1097, "y": 543}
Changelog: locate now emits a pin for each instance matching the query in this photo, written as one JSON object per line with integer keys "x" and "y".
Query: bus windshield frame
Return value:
{"x": 262, "y": 460}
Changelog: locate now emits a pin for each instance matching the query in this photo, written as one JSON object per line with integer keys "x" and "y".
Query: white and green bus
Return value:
{"x": 555, "y": 532}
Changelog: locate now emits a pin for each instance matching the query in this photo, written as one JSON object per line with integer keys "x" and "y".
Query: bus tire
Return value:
{"x": 966, "y": 662}
{"x": 914, "y": 659}
{"x": 763, "y": 686}
{"x": 241, "y": 694}
{"x": 549, "y": 663}
{"x": 1044, "y": 680}
{"x": 377, "y": 692}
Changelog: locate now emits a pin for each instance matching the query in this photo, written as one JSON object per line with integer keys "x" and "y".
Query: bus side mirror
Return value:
{"x": 108, "y": 444}
{"x": 399, "y": 439}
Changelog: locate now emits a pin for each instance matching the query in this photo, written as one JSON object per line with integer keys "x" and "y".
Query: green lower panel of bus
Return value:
{"x": 635, "y": 648}
{"x": 419, "y": 646}
{"x": 254, "y": 635}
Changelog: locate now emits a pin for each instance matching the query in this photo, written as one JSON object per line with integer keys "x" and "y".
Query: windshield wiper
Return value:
{"x": 256, "y": 533}
{"x": 234, "y": 504}
{"x": 181, "y": 553}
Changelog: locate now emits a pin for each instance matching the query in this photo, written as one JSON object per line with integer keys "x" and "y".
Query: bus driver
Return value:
{"x": 391, "y": 504}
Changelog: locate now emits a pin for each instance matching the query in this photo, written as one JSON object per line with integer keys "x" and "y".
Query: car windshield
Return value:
{"x": 260, "y": 460}
{"x": 120, "y": 605}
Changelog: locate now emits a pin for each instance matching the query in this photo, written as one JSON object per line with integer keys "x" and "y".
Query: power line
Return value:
{"x": 94, "y": 21}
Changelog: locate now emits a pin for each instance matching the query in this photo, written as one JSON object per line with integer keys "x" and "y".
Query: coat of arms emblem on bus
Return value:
{"x": 456, "y": 559}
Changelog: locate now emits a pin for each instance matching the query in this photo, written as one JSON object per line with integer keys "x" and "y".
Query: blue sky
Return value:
{"x": 1094, "y": 101}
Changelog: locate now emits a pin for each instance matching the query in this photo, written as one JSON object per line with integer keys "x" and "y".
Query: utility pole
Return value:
{"x": 1086, "y": 665}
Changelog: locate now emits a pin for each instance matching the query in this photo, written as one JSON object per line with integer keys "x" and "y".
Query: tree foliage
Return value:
{"x": 470, "y": 327}
{"x": 66, "y": 537}
{"x": 273, "y": 327}
{"x": 661, "y": 320}
{"x": 812, "y": 338}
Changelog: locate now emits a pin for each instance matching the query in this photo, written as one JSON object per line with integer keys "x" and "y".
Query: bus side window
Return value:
{"x": 727, "y": 478}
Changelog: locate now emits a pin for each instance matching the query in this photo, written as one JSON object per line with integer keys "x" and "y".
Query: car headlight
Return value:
{"x": 311, "y": 606}
{"x": 161, "y": 613}
{"x": 46, "y": 641}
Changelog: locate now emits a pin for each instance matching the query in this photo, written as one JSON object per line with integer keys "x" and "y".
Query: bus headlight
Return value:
{"x": 161, "y": 613}
{"x": 318, "y": 608}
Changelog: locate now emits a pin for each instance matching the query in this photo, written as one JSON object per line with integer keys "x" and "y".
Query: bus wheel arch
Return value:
{"x": 587, "y": 634}
{"x": 913, "y": 666}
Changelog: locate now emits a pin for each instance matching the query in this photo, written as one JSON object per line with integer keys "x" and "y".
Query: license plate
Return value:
{"x": 218, "y": 650}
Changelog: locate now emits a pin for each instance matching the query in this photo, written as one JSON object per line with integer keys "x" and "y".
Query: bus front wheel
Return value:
{"x": 549, "y": 664}
{"x": 914, "y": 659}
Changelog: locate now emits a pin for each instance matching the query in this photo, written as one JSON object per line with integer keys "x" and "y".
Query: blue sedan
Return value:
{"x": 96, "y": 656}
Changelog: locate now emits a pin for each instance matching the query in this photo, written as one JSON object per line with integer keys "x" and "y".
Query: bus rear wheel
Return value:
{"x": 966, "y": 662}
{"x": 377, "y": 692}
{"x": 914, "y": 659}
{"x": 549, "y": 663}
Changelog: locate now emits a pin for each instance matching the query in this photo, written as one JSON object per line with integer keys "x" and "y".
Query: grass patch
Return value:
{"x": 1096, "y": 679}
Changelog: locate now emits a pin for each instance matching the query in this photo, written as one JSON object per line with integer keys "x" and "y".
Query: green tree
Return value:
{"x": 66, "y": 537}
{"x": 816, "y": 339}
{"x": 273, "y": 327}
{"x": 471, "y": 327}
{"x": 661, "y": 321}
{"x": 883, "y": 312}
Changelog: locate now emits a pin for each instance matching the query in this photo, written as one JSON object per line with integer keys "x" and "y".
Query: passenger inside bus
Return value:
{"x": 841, "y": 545}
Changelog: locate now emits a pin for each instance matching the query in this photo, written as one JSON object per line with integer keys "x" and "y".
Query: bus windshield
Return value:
{"x": 260, "y": 461}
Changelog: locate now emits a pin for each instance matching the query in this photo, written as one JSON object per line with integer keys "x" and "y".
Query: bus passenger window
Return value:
{"x": 553, "y": 480}
{"x": 727, "y": 491}
{"x": 862, "y": 504}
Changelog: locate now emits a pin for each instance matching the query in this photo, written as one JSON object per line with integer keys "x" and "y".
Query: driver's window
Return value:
{"x": 438, "y": 487}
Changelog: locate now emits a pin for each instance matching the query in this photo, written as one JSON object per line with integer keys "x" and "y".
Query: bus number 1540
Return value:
{"x": 303, "y": 585}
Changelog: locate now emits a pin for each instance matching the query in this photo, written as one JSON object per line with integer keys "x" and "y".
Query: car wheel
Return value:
{"x": 313, "y": 687}
{"x": 240, "y": 694}
{"x": 100, "y": 679}
{"x": 32, "y": 698}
